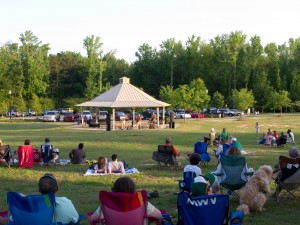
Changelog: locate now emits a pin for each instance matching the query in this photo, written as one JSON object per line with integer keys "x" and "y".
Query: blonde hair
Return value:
{"x": 1, "y": 143}
{"x": 233, "y": 151}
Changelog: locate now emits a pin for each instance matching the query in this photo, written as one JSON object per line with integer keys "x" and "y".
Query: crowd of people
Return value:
{"x": 271, "y": 138}
{"x": 206, "y": 184}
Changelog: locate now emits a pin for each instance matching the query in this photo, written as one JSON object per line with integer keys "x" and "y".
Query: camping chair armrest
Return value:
{"x": 217, "y": 174}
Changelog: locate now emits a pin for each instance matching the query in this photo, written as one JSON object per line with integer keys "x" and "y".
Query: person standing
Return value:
{"x": 257, "y": 129}
{"x": 77, "y": 156}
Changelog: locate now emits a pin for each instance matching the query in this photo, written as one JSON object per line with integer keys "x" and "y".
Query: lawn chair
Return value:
{"x": 31, "y": 209}
{"x": 47, "y": 153}
{"x": 206, "y": 209}
{"x": 185, "y": 182}
{"x": 234, "y": 168}
{"x": 288, "y": 180}
{"x": 201, "y": 149}
{"x": 6, "y": 156}
{"x": 25, "y": 156}
{"x": 122, "y": 208}
{"x": 225, "y": 148}
{"x": 164, "y": 155}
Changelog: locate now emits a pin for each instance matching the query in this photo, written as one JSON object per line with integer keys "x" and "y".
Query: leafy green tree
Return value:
{"x": 243, "y": 99}
{"x": 199, "y": 96}
{"x": 34, "y": 56}
{"x": 217, "y": 100}
{"x": 167, "y": 94}
{"x": 183, "y": 97}
{"x": 96, "y": 66}
{"x": 278, "y": 100}
{"x": 34, "y": 104}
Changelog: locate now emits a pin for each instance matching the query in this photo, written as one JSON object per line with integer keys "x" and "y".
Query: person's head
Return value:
{"x": 233, "y": 150}
{"x": 47, "y": 140}
{"x": 27, "y": 142}
{"x": 114, "y": 157}
{"x": 194, "y": 159}
{"x": 233, "y": 139}
{"x": 80, "y": 146}
{"x": 202, "y": 185}
{"x": 212, "y": 130}
{"x": 224, "y": 129}
{"x": 124, "y": 184}
{"x": 168, "y": 140}
{"x": 101, "y": 162}
{"x": 48, "y": 184}
{"x": 294, "y": 152}
{"x": 274, "y": 132}
{"x": 289, "y": 131}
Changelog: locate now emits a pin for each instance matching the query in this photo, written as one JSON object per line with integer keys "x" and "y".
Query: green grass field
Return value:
{"x": 136, "y": 147}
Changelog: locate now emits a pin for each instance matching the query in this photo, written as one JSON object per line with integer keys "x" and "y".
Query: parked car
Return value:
{"x": 182, "y": 115}
{"x": 87, "y": 114}
{"x": 226, "y": 111}
{"x": 148, "y": 113}
{"x": 14, "y": 113}
{"x": 236, "y": 112}
{"x": 52, "y": 116}
{"x": 102, "y": 115}
{"x": 121, "y": 116}
{"x": 69, "y": 117}
{"x": 29, "y": 112}
{"x": 197, "y": 115}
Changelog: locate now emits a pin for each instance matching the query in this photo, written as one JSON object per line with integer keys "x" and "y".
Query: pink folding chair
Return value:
{"x": 122, "y": 208}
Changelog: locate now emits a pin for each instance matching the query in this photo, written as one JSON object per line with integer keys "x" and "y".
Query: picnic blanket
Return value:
{"x": 127, "y": 171}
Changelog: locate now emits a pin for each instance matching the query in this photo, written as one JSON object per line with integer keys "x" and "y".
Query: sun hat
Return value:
{"x": 200, "y": 184}
{"x": 233, "y": 139}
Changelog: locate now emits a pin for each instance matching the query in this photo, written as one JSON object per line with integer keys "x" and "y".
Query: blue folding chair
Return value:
{"x": 185, "y": 182}
{"x": 206, "y": 209}
{"x": 201, "y": 149}
{"x": 31, "y": 209}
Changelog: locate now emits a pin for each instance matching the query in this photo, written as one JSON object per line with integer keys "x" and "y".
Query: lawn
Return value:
{"x": 136, "y": 147}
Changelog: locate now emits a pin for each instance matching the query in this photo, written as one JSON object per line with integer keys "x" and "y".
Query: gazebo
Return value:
{"x": 126, "y": 95}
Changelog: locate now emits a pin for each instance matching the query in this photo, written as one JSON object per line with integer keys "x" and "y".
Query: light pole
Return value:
{"x": 9, "y": 92}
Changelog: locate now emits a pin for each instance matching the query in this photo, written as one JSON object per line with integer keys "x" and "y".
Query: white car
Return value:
{"x": 86, "y": 114}
{"x": 182, "y": 115}
{"x": 51, "y": 116}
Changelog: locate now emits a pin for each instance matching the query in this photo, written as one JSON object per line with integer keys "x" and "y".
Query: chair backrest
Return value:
{"x": 47, "y": 152}
{"x": 225, "y": 148}
{"x": 200, "y": 147}
{"x": 165, "y": 149}
{"x": 25, "y": 156}
{"x": 233, "y": 166}
{"x": 4, "y": 152}
{"x": 290, "y": 175}
{"x": 187, "y": 179}
{"x": 124, "y": 208}
{"x": 31, "y": 209}
{"x": 206, "y": 209}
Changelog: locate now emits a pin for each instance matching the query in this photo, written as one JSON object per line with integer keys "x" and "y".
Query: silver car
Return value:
{"x": 51, "y": 116}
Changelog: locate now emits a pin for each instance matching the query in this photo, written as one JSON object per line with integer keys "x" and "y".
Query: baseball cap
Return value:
{"x": 200, "y": 184}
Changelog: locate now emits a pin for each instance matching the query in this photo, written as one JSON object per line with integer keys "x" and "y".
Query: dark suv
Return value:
{"x": 226, "y": 111}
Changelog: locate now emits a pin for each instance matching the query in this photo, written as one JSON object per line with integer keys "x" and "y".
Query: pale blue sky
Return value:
{"x": 125, "y": 25}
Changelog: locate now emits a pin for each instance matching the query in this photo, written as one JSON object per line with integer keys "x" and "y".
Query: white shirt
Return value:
{"x": 192, "y": 168}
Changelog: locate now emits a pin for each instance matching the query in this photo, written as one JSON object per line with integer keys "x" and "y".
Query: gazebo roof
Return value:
{"x": 124, "y": 95}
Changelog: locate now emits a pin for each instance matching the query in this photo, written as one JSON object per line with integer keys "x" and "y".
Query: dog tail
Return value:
{"x": 244, "y": 208}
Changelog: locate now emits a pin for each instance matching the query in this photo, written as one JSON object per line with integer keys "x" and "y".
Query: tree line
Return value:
{"x": 195, "y": 74}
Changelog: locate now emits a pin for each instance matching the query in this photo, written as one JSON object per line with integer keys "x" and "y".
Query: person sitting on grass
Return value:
{"x": 101, "y": 165}
{"x": 127, "y": 185}
{"x": 77, "y": 156}
{"x": 236, "y": 143}
{"x": 115, "y": 166}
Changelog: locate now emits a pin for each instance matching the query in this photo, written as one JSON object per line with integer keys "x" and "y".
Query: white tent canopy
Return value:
{"x": 125, "y": 95}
